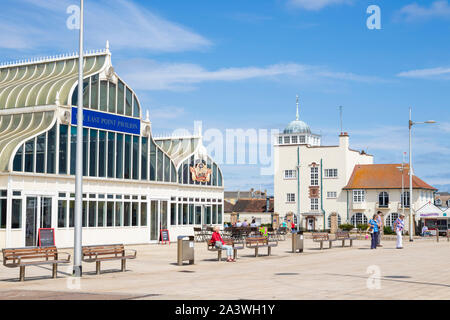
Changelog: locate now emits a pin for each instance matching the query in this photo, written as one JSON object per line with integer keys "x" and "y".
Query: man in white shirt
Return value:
{"x": 239, "y": 223}
{"x": 398, "y": 227}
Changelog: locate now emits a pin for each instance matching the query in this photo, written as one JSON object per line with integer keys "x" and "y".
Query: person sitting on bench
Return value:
{"x": 217, "y": 240}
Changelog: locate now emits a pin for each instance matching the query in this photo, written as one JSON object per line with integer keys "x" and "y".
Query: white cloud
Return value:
{"x": 425, "y": 73}
{"x": 127, "y": 25}
{"x": 413, "y": 12}
{"x": 147, "y": 74}
{"x": 315, "y": 5}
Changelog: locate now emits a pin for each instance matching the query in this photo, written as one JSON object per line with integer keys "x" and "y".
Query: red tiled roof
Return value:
{"x": 383, "y": 176}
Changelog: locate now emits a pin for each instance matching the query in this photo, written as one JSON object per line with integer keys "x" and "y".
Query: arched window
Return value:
{"x": 358, "y": 218}
{"x": 338, "y": 218}
{"x": 390, "y": 219}
{"x": 405, "y": 199}
{"x": 383, "y": 199}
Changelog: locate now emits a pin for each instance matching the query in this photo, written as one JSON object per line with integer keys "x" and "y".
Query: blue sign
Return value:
{"x": 108, "y": 121}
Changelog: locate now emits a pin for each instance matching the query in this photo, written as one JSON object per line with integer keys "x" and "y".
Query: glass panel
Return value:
{"x": 127, "y": 174}
{"x": 198, "y": 215}
{"x": 144, "y": 158}
{"x": 160, "y": 165}
{"x": 119, "y": 156}
{"x": 111, "y": 153}
{"x": 110, "y": 214}
{"x": 3, "y": 203}
{"x": 129, "y": 103}
{"x": 103, "y": 95}
{"x": 185, "y": 213}
{"x": 84, "y": 214}
{"x": 16, "y": 214}
{"x": 173, "y": 214}
{"x": 214, "y": 174}
{"x": 71, "y": 213}
{"x": 17, "y": 165}
{"x": 186, "y": 172}
{"x": 143, "y": 214}
{"x": 102, "y": 154}
{"x": 112, "y": 97}
{"x": 134, "y": 214}
{"x": 31, "y": 220}
{"x": 63, "y": 136}
{"x": 120, "y": 98}
{"x": 119, "y": 214}
{"x": 62, "y": 213}
{"x": 40, "y": 153}
{"x": 166, "y": 169}
{"x": 135, "y": 157}
{"x": 219, "y": 176}
{"x": 152, "y": 160}
{"x": 173, "y": 176}
{"x": 191, "y": 214}
{"x": 85, "y": 151}
{"x": 73, "y": 149}
{"x": 92, "y": 213}
{"x": 136, "y": 108}
{"x": 214, "y": 214}
{"x": 94, "y": 92}
{"x": 180, "y": 213}
{"x": 46, "y": 212}
{"x": 127, "y": 214}
{"x": 219, "y": 214}
{"x": 101, "y": 211}
{"x": 164, "y": 213}
{"x": 93, "y": 153}
{"x": 154, "y": 220}
{"x": 86, "y": 93}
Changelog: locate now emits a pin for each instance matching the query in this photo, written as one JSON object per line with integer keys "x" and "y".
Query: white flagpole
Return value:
{"x": 77, "y": 271}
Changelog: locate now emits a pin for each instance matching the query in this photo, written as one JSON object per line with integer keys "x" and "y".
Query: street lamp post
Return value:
{"x": 411, "y": 173}
{"x": 77, "y": 271}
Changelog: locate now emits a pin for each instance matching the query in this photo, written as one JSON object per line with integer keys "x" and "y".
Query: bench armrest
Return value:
{"x": 134, "y": 252}
{"x": 65, "y": 253}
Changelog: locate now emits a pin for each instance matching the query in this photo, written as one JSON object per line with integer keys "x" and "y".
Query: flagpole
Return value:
{"x": 77, "y": 271}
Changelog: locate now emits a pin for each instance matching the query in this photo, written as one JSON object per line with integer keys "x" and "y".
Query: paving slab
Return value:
{"x": 419, "y": 271}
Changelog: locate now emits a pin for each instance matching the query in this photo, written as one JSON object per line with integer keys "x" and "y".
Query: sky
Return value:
{"x": 239, "y": 64}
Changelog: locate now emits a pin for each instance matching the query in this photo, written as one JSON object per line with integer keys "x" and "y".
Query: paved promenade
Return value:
{"x": 419, "y": 271}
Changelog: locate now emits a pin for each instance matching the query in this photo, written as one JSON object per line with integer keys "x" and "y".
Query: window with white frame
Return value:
{"x": 302, "y": 139}
{"x": 314, "y": 204}
{"x": 359, "y": 196}
{"x": 339, "y": 219}
{"x": 294, "y": 139}
{"x": 314, "y": 176}
{"x": 287, "y": 139}
{"x": 358, "y": 218}
{"x": 290, "y": 174}
{"x": 331, "y": 194}
{"x": 280, "y": 140}
{"x": 290, "y": 197}
{"x": 331, "y": 173}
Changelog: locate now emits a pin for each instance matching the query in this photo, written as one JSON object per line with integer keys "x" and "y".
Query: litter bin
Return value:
{"x": 297, "y": 241}
{"x": 185, "y": 250}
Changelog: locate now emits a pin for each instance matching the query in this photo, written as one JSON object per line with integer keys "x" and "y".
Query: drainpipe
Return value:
{"x": 298, "y": 188}
{"x": 348, "y": 218}
{"x": 321, "y": 193}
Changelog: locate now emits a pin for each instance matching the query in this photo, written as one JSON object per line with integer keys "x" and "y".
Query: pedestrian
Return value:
{"x": 380, "y": 228}
{"x": 399, "y": 225}
{"x": 374, "y": 231}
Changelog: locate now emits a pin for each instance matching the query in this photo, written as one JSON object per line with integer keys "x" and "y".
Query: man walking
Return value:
{"x": 380, "y": 228}
{"x": 399, "y": 226}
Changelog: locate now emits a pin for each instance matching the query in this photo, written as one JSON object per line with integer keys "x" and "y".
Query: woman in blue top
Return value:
{"x": 374, "y": 227}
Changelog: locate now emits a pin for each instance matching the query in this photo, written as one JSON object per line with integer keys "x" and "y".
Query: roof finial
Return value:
{"x": 107, "y": 45}
{"x": 297, "y": 116}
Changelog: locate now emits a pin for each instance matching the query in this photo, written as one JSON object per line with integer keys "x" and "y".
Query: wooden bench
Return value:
{"x": 111, "y": 252}
{"x": 34, "y": 256}
{"x": 344, "y": 235}
{"x": 236, "y": 244}
{"x": 260, "y": 242}
{"x": 323, "y": 237}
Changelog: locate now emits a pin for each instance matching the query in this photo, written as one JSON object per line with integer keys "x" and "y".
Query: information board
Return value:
{"x": 46, "y": 237}
{"x": 164, "y": 236}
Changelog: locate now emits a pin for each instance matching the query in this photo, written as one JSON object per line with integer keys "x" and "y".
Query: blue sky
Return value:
{"x": 239, "y": 64}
